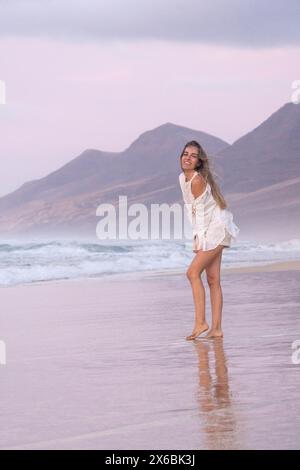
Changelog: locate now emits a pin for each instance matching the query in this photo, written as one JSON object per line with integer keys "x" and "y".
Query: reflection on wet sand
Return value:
{"x": 92, "y": 369}
{"x": 213, "y": 395}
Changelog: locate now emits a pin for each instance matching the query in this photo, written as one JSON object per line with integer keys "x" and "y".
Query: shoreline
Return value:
{"x": 291, "y": 265}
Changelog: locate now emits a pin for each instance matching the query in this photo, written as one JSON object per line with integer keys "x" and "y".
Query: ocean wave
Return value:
{"x": 22, "y": 263}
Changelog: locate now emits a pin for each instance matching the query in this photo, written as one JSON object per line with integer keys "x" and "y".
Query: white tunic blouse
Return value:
{"x": 210, "y": 223}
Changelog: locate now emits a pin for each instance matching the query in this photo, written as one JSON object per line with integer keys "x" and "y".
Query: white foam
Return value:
{"x": 40, "y": 261}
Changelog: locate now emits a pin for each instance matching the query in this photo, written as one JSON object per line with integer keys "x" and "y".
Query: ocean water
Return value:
{"x": 35, "y": 261}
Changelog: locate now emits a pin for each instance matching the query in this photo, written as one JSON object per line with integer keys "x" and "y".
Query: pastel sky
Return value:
{"x": 96, "y": 74}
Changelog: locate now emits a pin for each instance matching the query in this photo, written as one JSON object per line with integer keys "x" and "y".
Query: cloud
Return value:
{"x": 245, "y": 24}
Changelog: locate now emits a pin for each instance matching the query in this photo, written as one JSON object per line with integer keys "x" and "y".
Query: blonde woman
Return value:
{"x": 213, "y": 229}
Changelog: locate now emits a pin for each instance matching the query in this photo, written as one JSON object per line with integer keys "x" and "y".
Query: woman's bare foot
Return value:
{"x": 198, "y": 330}
{"x": 214, "y": 334}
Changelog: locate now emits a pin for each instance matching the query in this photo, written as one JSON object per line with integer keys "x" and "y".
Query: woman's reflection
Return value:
{"x": 213, "y": 395}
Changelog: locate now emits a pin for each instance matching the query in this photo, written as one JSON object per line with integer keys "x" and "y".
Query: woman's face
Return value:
{"x": 189, "y": 158}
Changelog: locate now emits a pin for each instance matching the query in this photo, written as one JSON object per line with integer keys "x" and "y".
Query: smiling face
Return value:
{"x": 189, "y": 158}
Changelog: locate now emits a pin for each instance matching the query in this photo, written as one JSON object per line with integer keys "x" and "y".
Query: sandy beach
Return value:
{"x": 104, "y": 364}
{"x": 278, "y": 266}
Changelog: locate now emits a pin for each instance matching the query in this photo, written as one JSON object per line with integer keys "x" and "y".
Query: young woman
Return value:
{"x": 213, "y": 229}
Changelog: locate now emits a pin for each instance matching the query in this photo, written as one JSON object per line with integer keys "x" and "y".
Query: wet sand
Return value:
{"x": 104, "y": 364}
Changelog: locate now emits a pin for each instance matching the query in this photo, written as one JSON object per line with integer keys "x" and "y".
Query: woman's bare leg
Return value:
{"x": 216, "y": 296}
{"x": 199, "y": 263}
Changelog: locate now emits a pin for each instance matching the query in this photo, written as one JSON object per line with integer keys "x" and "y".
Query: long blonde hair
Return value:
{"x": 203, "y": 166}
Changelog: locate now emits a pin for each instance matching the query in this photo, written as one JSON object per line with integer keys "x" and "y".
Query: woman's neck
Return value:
{"x": 188, "y": 174}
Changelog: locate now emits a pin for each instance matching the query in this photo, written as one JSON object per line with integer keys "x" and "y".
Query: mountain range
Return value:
{"x": 259, "y": 176}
